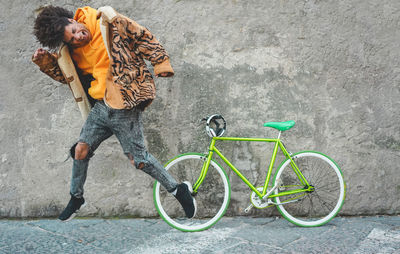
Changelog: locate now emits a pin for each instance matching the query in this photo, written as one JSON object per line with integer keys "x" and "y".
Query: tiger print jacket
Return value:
{"x": 129, "y": 82}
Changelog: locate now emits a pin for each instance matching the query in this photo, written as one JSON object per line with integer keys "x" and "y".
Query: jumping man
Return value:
{"x": 121, "y": 87}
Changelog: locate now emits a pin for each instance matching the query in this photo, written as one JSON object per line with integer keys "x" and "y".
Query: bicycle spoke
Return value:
{"x": 330, "y": 207}
{"x": 329, "y": 186}
{"x": 327, "y": 193}
{"x": 311, "y": 207}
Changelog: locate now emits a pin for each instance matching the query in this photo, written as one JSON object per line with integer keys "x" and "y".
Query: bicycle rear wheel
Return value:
{"x": 212, "y": 197}
{"x": 316, "y": 208}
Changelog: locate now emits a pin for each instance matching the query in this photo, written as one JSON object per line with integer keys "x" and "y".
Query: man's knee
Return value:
{"x": 80, "y": 151}
{"x": 138, "y": 165}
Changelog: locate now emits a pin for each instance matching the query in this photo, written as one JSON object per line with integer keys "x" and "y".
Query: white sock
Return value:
{"x": 174, "y": 192}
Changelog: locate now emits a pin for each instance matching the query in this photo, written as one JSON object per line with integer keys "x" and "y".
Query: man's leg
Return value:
{"x": 81, "y": 153}
{"x": 92, "y": 134}
{"x": 128, "y": 127}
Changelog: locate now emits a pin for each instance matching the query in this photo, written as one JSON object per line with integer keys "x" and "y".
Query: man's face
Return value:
{"x": 76, "y": 34}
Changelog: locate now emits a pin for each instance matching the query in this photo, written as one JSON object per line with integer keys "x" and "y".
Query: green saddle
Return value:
{"x": 282, "y": 126}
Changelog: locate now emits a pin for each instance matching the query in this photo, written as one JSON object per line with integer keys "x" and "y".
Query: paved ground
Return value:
{"x": 230, "y": 235}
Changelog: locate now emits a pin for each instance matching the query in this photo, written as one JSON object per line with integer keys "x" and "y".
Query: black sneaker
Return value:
{"x": 73, "y": 206}
{"x": 184, "y": 196}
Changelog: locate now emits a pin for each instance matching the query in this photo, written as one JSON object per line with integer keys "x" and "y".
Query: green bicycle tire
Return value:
{"x": 328, "y": 197}
{"x": 212, "y": 198}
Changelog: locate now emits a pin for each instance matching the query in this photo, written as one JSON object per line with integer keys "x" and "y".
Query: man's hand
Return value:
{"x": 165, "y": 74}
{"x": 39, "y": 53}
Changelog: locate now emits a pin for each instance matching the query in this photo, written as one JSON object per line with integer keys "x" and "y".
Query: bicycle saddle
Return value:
{"x": 282, "y": 126}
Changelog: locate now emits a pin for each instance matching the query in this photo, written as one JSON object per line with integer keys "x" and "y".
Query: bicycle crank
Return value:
{"x": 261, "y": 203}
{"x": 258, "y": 202}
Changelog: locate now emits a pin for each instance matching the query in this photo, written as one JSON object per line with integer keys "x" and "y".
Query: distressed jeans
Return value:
{"x": 127, "y": 126}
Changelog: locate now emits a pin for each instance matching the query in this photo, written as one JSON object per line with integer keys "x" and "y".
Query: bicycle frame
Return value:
{"x": 278, "y": 144}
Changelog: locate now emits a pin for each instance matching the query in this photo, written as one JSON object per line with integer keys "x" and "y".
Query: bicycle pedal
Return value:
{"x": 247, "y": 210}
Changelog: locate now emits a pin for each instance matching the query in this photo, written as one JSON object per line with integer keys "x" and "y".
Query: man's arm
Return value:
{"x": 150, "y": 49}
{"x": 47, "y": 63}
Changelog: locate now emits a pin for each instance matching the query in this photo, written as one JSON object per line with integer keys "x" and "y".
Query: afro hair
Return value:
{"x": 50, "y": 25}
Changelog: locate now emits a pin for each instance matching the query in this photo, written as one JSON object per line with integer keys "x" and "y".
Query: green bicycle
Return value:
{"x": 308, "y": 187}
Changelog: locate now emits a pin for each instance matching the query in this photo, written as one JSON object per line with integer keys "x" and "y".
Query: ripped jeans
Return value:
{"x": 127, "y": 126}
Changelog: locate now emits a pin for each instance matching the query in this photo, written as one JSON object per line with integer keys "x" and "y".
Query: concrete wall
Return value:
{"x": 332, "y": 66}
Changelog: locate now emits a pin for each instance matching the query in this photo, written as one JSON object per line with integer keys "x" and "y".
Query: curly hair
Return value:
{"x": 50, "y": 25}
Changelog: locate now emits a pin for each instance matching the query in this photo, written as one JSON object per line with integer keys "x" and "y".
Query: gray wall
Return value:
{"x": 332, "y": 66}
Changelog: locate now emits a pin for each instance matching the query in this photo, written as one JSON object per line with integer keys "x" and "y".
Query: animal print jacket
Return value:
{"x": 129, "y": 82}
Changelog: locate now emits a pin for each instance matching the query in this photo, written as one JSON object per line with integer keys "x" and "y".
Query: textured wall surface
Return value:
{"x": 332, "y": 66}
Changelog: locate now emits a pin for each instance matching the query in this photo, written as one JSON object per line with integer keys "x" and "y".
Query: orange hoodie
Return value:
{"x": 92, "y": 58}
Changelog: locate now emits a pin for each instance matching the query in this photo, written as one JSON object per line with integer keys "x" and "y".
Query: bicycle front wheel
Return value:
{"x": 313, "y": 208}
{"x": 212, "y": 197}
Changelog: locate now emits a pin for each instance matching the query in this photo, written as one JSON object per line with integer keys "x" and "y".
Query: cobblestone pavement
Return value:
{"x": 230, "y": 235}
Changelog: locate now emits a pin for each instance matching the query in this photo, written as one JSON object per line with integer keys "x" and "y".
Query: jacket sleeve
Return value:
{"x": 48, "y": 65}
{"x": 149, "y": 48}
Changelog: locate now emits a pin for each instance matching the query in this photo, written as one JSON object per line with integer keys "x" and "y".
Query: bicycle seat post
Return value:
{"x": 279, "y": 136}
